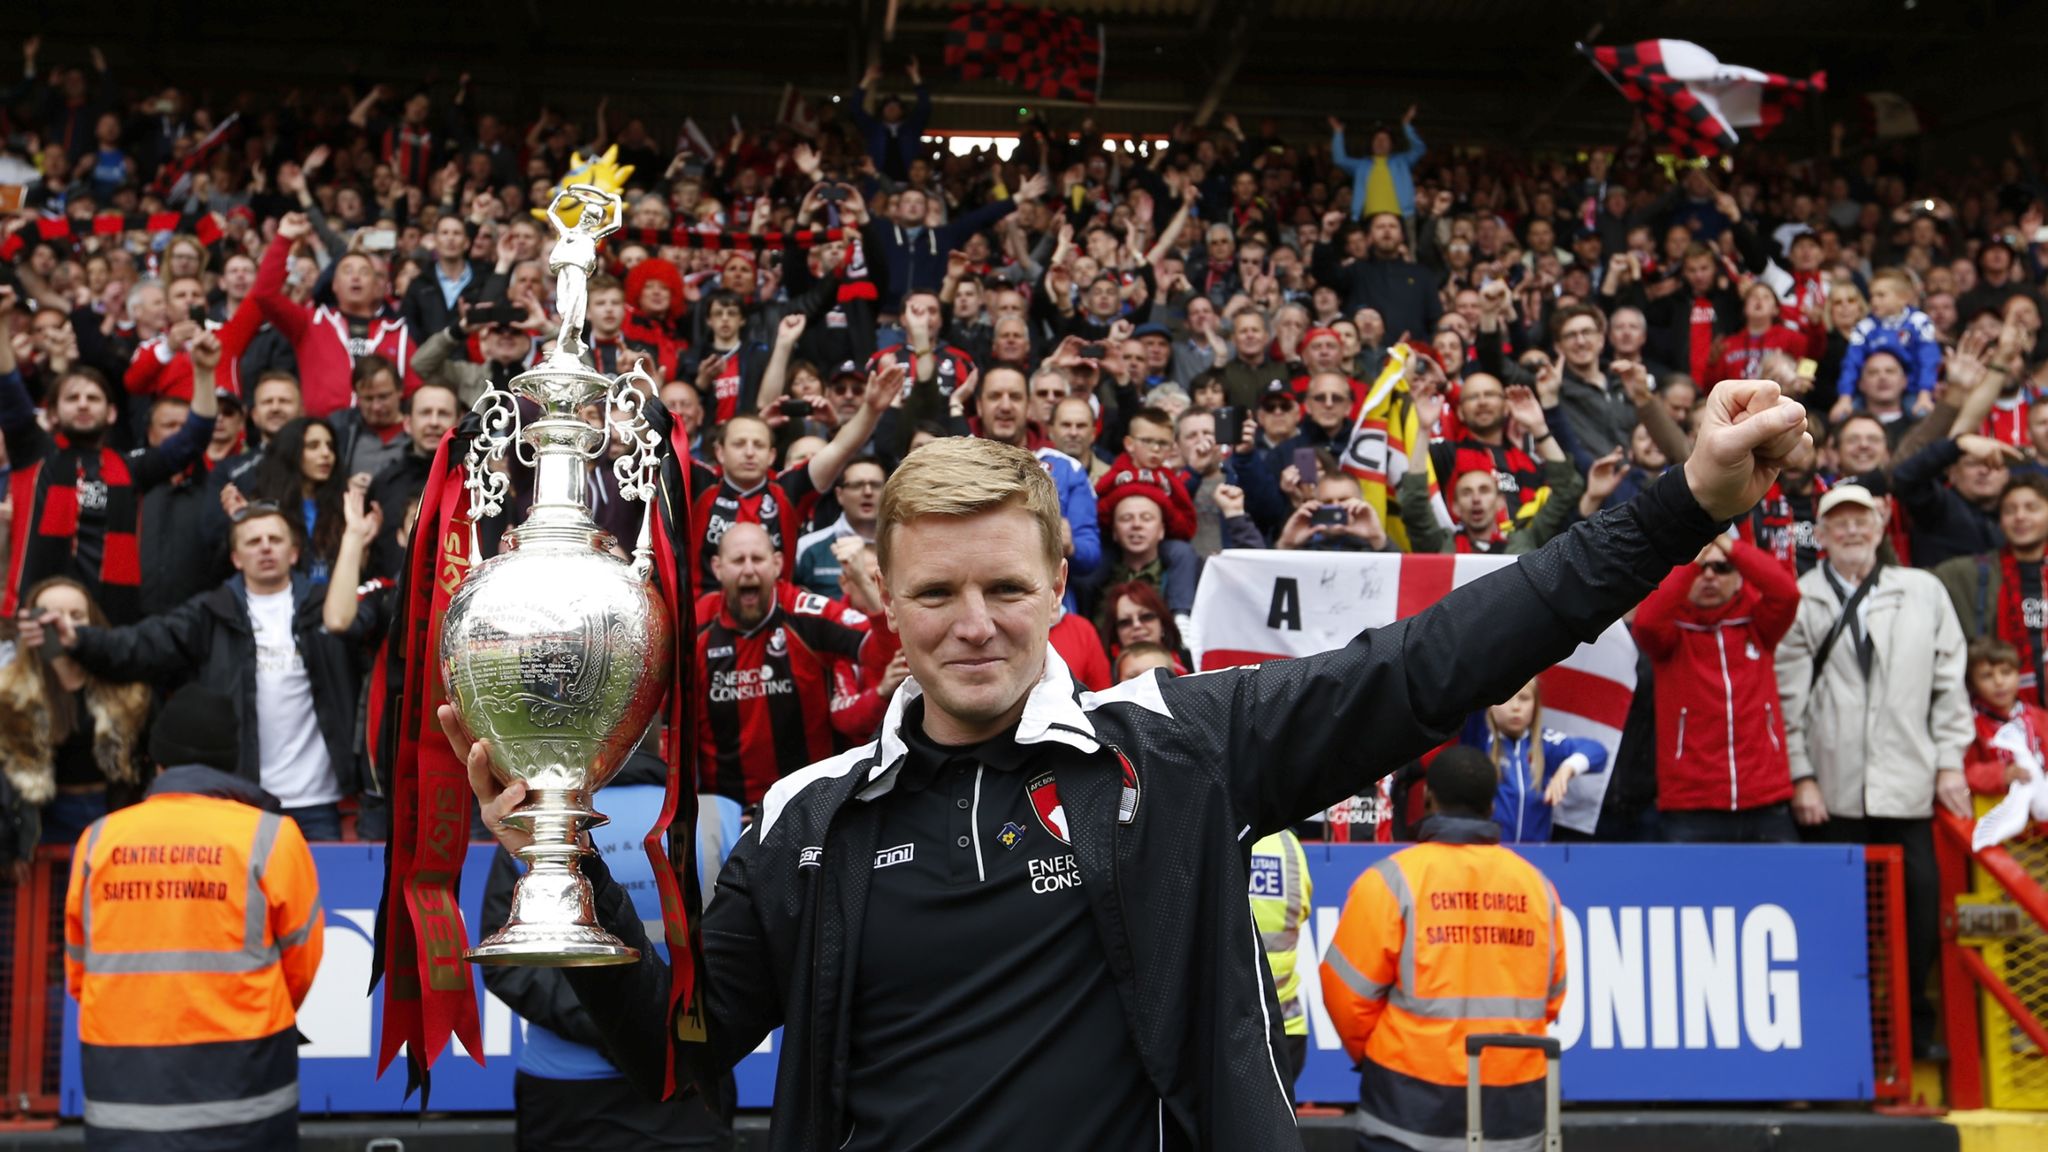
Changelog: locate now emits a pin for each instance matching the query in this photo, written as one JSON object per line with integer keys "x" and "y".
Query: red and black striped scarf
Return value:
{"x": 45, "y": 530}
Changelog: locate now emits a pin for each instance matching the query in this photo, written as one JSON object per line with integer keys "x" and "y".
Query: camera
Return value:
{"x": 1094, "y": 351}
{"x": 494, "y": 315}
{"x": 196, "y": 314}
{"x": 1329, "y": 516}
{"x": 794, "y": 407}
{"x": 832, "y": 193}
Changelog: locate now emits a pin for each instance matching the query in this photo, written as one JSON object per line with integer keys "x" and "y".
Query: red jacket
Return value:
{"x": 320, "y": 338}
{"x": 1720, "y": 734}
{"x": 159, "y": 370}
{"x": 1738, "y": 355}
{"x": 1081, "y": 647}
{"x": 1984, "y": 766}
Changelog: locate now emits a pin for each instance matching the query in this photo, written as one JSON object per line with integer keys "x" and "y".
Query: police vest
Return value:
{"x": 1280, "y": 900}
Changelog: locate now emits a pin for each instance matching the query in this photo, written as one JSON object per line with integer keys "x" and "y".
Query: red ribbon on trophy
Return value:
{"x": 429, "y": 992}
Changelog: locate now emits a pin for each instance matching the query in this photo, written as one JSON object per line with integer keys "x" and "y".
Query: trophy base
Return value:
{"x": 553, "y": 922}
{"x": 552, "y": 946}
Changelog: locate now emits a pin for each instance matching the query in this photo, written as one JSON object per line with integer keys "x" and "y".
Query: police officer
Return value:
{"x": 1280, "y": 892}
{"x": 192, "y": 930}
{"x": 1453, "y": 937}
{"x": 1017, "y": 919}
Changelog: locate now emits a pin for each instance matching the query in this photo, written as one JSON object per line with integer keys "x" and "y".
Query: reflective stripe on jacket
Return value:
{"x": 1280, "y": 890}
{"x": 1438, "y": 942}
{"x": 192, "y": 933}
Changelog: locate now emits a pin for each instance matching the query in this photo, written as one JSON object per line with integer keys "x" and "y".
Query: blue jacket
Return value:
{"x": 1401, "y": 165}
{"x": 1910, "y": 337}
{"x": 892, "y": 151}
{"x": 905, "y": 262}
{"x": 1077, "y": 506}
{"x": 1518, "y": 805}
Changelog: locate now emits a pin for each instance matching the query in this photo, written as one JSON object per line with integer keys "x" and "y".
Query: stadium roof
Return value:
{"x": 1483, "y": 70}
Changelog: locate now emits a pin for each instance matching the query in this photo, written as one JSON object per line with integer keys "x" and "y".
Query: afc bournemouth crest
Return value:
{"x": 1045, "y": 800}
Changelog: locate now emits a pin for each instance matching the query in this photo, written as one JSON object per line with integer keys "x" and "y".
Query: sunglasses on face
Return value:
{"x": 860, "y": 485}
{"x": 1138, "y": 621}
{"x": 1718, "y": 567}
{"x": 254, "y": 508}
{"x": 844, "y": 387}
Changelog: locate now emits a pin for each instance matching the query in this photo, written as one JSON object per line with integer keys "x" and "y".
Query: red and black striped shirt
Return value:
{"x": 781, "y": 503}
{"x": 769, "y": 689}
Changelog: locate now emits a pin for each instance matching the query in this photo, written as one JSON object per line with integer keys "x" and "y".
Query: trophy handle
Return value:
{"x": 626, "y": 416}
{"x": 490, "y": 487}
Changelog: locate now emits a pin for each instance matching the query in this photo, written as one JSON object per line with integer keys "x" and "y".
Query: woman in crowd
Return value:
{"x": 1136, "y": 613}
{"x": 1846, "y": 308}
{"x": 70, "y": 743}
{"x": 300, "y": 471}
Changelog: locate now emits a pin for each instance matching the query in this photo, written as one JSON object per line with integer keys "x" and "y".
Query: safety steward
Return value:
{"x": 192, "y": 930}
{"x": 1280, "y": 889}
{"x": 1453, "y": 937}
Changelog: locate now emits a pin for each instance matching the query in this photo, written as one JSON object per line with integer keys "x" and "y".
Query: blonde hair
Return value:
{"x": 960, "y": 476}
{"x": 1495, "y": 741}
{"x": 1847, "y": 290}
{"x": 1898, "y": 278}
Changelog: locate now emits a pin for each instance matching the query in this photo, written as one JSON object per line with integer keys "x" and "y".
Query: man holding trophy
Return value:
{"x": 1017, "y": 919}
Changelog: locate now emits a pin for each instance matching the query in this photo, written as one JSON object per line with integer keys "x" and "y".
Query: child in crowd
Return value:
{"x": 1994, "y": 678}
{"x": 1896, "y": 326}
{"x": 1536, "y": 764}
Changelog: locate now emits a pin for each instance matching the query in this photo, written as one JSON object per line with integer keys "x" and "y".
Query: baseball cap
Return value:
{"x": 847, "y": 368}
{"x": 1842, "y": 494}
{"x": 1144, "y": 330}
{"x": 227, "y": 397}
{"x": 1277, "y": 388}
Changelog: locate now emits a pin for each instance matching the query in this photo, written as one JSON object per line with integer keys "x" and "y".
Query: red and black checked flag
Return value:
{"x": 1051, "y": 56}
{"x": 1692, "y": 99}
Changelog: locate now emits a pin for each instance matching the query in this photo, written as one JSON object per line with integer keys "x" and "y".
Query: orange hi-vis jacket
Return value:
{"x": 1453, "y": 937}
{"x": 192, "y": 931}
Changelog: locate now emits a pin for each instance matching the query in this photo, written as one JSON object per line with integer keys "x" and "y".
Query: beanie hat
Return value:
{"x": 197, "y": 726}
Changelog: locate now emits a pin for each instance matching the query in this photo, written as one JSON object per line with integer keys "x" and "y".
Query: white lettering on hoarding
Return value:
{"x": 1661, "y": 977}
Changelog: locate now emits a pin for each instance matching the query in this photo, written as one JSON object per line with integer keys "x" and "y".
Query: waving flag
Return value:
{"x": 1692, "y": 99}
{"x": 1377, "y": 455}
{"x": 1254, "y": 606}
{"x": 1051, "y": 56}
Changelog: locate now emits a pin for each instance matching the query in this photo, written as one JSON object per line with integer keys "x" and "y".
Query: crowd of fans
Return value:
{"x": 228, "y": 358}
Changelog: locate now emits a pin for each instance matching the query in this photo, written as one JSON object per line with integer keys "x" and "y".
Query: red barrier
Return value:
{"x": 1963, "y": 970}
{"x": 32, "y": 952}
{"x": 1891, "y": 1017}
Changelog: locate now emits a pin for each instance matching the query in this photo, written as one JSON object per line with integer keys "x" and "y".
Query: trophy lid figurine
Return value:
{"x": 555, "y": 650}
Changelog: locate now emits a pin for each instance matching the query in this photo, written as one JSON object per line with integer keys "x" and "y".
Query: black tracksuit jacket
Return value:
{"x": 1221, "y": 760}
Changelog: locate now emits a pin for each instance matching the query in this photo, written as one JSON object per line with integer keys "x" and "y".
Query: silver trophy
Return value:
{"x": 556, "y": 650}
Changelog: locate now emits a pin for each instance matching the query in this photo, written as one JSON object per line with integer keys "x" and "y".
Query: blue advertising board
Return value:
{"x": 1695, "y": 973}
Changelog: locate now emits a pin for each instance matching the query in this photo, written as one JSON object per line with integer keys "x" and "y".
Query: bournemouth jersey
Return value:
{"x": 769, "y": 690}
{"x": 950, "y": 366}
{"x": 782, "y": 503}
